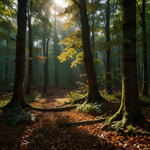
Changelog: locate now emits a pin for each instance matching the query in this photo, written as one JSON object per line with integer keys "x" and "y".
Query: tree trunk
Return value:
{"x": 44, "y": 53}
{"x": 108, "y": 73}
{"x": 129, "y": 110}
{"x": 56, "y": 53}
{"x": 28, "y": 88}
{"x": 144, "y": 42}
{"x": 17, "y": 99}
{"x": 6, "y": 65}
{"x": 93, "y": 93}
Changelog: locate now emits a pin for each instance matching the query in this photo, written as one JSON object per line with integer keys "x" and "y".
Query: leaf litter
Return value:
{"x": 45, "y": 134}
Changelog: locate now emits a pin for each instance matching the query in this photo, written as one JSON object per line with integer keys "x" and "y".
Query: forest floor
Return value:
{"x": 44, "y": 132}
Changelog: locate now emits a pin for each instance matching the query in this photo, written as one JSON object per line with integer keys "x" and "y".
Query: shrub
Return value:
{"x": 19, "y": 115}
{"x": 92, "y": 108}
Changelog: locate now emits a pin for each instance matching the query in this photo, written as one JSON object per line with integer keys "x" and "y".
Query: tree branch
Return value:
{"x": 9, "y": 5}
{"x": 78, "y": 4}
{"x": 139, "y": 8}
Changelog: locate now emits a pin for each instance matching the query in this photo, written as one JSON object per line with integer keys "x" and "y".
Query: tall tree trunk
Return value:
{"x": 17, "y": 99}
{"x": 6, "y": 65}
{"x": 144, "y": 42}
{"x": 108, "y": 73}
{"x": 44, "y": 53}
{"x": 56, "y": 53}
{"x": 93, "y": 93}
{"x": 129, "y": 110}
{"x": 28, "y": 87}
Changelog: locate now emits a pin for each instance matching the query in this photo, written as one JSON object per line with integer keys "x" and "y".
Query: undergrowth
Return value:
{"x": 5, "y": 98}
{"x": 91, "y": 108}
{"x": 19, "y": 115}
{"x": 34, "y": 97}
{"x": 116, "y": 95}
{"x": 72, "y": 96}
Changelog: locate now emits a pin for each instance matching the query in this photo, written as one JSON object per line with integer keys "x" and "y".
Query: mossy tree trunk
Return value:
{"x": 17, "y": 99}
{"x": 93, "y": 93}
{"x": 108, "y": 72}
{"x": 129, "y": 111}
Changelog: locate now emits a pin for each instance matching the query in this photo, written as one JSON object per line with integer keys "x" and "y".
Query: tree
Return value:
{"x": 93, "y": 93}
{"x": 108, "y": 73}
{"x": 17, "y": 99}
{"x": 30, "y": 49}
{"x": 144, "y": 47}
{"x": 129, "y": 110}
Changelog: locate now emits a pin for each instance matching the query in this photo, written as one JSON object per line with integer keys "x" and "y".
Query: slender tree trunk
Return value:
{"x": 17, "y": 99}
{"x": 47, "y": 46}
{"x": 108, "y": 72}
{"x": 129, "y": 110}
{"x": 145, "y": 69}
{"x": 44, "y": 53}
{"x": 6, "y": 65}
{"x": 56, "y": 53}
{"x": 28, "y": 88}
{"x": 93, "y": 93}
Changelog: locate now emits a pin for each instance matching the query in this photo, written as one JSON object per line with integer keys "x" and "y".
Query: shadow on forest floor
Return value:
{"x": 44, "y": 133}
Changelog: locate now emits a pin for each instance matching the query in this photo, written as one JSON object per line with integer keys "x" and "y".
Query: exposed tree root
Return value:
{"x": 57, "y": 109}
{"x": 85, "y": 122}
{"x": 28, "y": 106}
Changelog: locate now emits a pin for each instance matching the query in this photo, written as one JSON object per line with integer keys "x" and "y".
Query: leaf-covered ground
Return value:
{"x": 45, "y": 134}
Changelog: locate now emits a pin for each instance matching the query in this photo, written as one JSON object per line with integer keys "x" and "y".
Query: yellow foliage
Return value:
{"x": 78, "y": 60}
{"x": 41, "y": 58}
{"x": 74, "y": 44}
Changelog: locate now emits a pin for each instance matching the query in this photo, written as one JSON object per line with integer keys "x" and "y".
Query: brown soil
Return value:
{"x": 45, "y": 134}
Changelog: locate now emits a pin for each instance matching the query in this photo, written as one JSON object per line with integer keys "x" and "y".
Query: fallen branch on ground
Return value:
{"x": 57, "y": 109}
{"x": 85, "y": 122}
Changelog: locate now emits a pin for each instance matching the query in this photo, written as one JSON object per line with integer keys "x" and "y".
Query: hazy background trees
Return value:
{"x": 56, "y": 38}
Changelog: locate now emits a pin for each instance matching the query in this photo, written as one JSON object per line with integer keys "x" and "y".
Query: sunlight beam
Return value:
{"x": 61, "y": 3}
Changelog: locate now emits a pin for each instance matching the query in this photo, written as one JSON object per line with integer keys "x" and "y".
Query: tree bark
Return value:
{"x": 56, "y": 53}
{"x": 46, "y": 61}
{"x": 108, "y": 73}
{"x": 17, "y": 99}
{"x": 129, "y": 110}
{"x": 28, "y": 87}
{"x": 144, "y": 42}
{"x": 93, "y": 93}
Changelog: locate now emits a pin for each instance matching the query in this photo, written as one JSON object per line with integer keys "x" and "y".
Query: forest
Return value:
{"x": 74, "y": 75}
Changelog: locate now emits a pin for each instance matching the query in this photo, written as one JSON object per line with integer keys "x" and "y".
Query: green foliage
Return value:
{"x": 4, "y": 99}
{"x": 116, "y": 95}
{"x": 33, "y": 97}
{"x": 19, "y": 115}
{"x": 91, "y": 108}
{"x": 117, "y": 125}
{"x": 72, "y": 96}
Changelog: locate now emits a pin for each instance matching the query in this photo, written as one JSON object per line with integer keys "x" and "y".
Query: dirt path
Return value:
{"x": 45, "y": 134}
{"x": 53, "y": 98}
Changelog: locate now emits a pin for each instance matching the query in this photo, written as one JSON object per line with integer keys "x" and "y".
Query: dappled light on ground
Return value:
{"x": 44, "y": 133}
